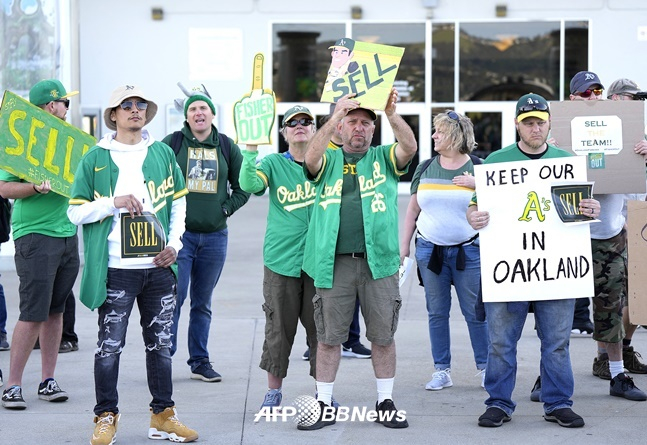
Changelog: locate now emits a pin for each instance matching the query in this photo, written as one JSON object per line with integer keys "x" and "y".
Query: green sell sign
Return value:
{"x": 37, "y": 146}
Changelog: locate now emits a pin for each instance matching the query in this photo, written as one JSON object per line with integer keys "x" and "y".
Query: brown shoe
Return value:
{"x": 166, "y": 425}
{"x": 105, "y": 430}
{"x": 601, "y": 367}
{"x": 632, "y": 362}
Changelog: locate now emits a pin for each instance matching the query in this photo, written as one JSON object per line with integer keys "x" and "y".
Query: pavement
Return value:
{"x": 223, "y": 413}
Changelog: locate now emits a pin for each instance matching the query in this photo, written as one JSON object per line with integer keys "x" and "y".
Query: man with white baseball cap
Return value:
{"x": 128, "y": 183}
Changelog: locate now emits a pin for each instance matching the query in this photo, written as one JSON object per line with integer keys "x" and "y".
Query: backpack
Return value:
{"x": 5, "y": 219}
{"x": 475, "y": 160}
{"x": 176, "y": 144}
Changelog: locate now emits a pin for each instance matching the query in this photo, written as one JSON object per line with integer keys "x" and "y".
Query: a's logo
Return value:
{"x": 54, "y": 94}
{"x": 98, "y": 169}
{"x": 308, "y": 410}
{"x": 589, "y": 76}
{"x": 129, "y": 87}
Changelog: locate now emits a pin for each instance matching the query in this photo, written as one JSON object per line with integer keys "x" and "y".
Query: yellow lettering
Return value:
{"x": 133, "y": 236}
{"x": 20, "y": 148}
{"x": 50, "y": 151}
{"x": 35, "y": 123}
{"x": 68, "y": 175}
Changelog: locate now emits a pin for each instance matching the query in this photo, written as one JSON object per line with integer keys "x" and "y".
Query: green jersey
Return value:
{"x": 291, "y": 200}
{"x": 377, "y": 176}
{"x": 45, "y": 214}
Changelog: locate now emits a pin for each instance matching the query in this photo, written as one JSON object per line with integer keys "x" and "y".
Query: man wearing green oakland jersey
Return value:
{"x": 288, "y": 291}
{"x": 352, "y": 244}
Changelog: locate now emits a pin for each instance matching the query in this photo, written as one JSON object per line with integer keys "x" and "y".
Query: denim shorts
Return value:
{"x": 379, "y": 301}
{"x": 47, "y": 268}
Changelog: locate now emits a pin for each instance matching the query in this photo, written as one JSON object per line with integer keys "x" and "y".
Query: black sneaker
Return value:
{"x": 387, "y": 415}
{"x": 51, "y": 392}
{"x": 623, "y": 386}
{"x": 4, "y": 344}
{"x": 535, "y": 392}
{"x": 12, "y": 398}
{"x": 205, "y": 373}
{"x": 493, "y": 417}
{"x": 320, "y": 423}
{"x": 565, "y": 417}
{"x": 306, "y": 355}
{"x": 356, "y": 351}
{"x": 632, "y": 361}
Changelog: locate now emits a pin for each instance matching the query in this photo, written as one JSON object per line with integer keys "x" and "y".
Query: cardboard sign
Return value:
{"x": 142, "y": 236}
{"x": 37, "y": 146}
{"x": 255, "y": 113}
{"x": 527, "y": 252}
{"x": 604, "y": 132}
{"x": 637, "y": 254}
{"x": 366, "y": 69}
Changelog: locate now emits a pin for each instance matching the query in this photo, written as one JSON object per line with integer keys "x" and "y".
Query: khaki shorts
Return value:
{"x": 379, "y": 300}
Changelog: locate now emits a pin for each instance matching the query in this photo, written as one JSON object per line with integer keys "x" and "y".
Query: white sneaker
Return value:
{"x": 482, "y": 374}
{"x": 440, "y": 380}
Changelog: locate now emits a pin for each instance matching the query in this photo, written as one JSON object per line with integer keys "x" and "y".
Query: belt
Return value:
{"x": 355, "y": 254}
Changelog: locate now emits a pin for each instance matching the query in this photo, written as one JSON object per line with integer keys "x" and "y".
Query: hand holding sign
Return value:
{"x": 254, "y": 114}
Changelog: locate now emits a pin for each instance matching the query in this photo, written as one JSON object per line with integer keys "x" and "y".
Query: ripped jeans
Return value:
{"x": 154, "y": 290}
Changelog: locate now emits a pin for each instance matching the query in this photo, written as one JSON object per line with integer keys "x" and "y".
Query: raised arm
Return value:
{"x": 407, "y": 145}
{"x": 319, "y": 142}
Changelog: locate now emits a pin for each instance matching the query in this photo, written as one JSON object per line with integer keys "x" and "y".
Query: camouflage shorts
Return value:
{"x": 610, "y": 272}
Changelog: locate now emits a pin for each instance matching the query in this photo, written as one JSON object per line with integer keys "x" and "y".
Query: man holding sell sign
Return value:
{"x": 129, "y": 196}
{"x": 553, "y": 318}
{"x": 47, "y": 263}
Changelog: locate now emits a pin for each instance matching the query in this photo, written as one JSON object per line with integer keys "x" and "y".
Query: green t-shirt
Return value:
{"x": 45, "y": 214}
{"x": 351, "y": 223}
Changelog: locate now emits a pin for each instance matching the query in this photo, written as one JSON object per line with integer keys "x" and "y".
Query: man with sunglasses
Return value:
{"x": 130, "y": 183}
{"x": 585, "y": 85}
{"x": 288, "y": 291}
{"x": 552, "y": 317}
{"x": 47, "y": 263}
{"x": 352, "y": 245}
{"x": 609, "y": 247}
{"x": 214, "y": 195}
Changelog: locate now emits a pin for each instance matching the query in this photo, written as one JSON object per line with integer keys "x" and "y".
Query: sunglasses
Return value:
{"x": 65, "y": 102}
{"x": 587, "y": 93}
{"x": 128, "y": 105}
{"x": 532, "y": 107}
{"x": 454, "y": 116}
{"x": 305, "y": 122}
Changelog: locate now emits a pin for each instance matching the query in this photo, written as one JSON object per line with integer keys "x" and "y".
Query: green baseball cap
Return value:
{"x": 47, "y": 91}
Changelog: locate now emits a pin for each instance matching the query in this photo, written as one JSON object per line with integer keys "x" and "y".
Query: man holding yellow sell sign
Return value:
{"x": 47, "y": 263}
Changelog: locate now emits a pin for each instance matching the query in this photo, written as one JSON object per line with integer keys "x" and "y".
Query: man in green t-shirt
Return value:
{"x": 47, "y": 263}
{"x": 352, "y": 244}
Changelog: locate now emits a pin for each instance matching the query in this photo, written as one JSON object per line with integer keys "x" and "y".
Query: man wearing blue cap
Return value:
{"x": 47, "y": 263}
{"x": 208, "y": 206}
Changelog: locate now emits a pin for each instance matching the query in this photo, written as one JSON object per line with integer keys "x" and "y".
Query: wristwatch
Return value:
{"x": 225, "y": 212}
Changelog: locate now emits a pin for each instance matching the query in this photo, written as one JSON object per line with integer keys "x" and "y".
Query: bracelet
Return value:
{"x": 35, "y": 189}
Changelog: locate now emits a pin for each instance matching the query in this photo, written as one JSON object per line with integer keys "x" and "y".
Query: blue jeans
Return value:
{"x": 439, "y": 300}
{"x": 200, "y": 262}
{"x": 553, "y": 320}
{"x": 154, "y": 290}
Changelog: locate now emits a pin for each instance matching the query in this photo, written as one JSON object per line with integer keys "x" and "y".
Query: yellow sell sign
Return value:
{"x": 37, "y": 146}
